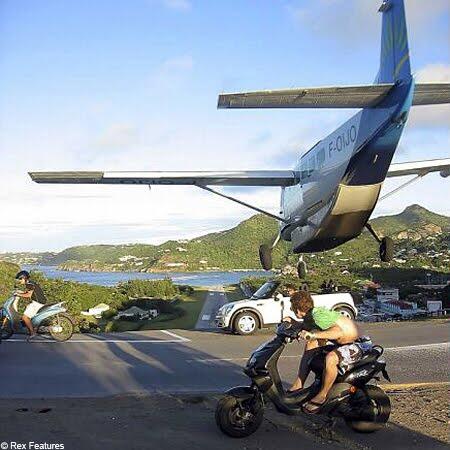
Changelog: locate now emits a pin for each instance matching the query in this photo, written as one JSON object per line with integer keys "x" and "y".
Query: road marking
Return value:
{"x": 419, "y": 347}
{"x": 177, "y": 336}
{"x": 206, "y": 317}
{"x": 390, "y": 387}
{"x": 245, "y": 358}
{"x": 95, "y": 340}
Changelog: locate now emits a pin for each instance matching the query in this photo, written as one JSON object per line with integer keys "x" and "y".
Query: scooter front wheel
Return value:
{"x": 61, "y": 327}
{"x": 7, "y": 329}
{"x": 239, "y": 418}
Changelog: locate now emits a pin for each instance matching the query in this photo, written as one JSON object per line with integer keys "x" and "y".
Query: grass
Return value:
{"x": 191, "y": 306}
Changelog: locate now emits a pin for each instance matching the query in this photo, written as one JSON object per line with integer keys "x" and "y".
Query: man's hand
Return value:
{"x": 306, "y": 335}
{"x": 287, "y": 319}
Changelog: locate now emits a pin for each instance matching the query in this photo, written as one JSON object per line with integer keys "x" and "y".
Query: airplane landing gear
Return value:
{"x": 386, "y": 245}
{"x": 265, "y": 253}
{"x": 386, "y": 249}
{"x": 301, "y": 268}
{"x": 265, "y": 256}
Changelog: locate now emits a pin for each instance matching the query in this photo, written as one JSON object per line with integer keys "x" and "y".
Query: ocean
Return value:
{"x": 112, "y": 278}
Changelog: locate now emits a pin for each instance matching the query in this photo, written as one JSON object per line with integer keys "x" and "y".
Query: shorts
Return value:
{"x": 349, "y": 354}
{"x": 32, "y": 309}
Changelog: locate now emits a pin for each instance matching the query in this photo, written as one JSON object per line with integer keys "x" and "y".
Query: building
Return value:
{"x": 405, "y": 309}
{"x": 387, "y": 295}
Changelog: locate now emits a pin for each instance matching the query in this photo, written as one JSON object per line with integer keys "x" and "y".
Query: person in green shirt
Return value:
{"x": 321, "y": 325}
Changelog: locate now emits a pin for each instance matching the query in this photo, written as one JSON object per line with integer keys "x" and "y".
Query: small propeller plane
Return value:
{"x": 328, "y": 197}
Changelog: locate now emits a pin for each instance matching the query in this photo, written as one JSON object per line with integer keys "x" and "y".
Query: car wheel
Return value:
{"x": 345, "y": 311}
{"x": 246, "y": 323}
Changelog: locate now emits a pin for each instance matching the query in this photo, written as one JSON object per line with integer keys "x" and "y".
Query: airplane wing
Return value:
{"x": 197, "y": 178}
{"x": 364, "y": 96}
{"x": 420, "y": 168}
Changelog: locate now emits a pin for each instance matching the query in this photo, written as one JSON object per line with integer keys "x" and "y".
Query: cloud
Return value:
{"x": 118, "y": 136}
{"x": 174, "y": 5}
{"x": 438, "y": 73}
{"x": 356, "y": 21}
{"x": 178, "y": 5}
{"x": 432, "y": 115}
{"x": 171, "y": 74}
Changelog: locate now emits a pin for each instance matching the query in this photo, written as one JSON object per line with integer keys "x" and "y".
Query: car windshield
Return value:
{"x": 266, "y": 290}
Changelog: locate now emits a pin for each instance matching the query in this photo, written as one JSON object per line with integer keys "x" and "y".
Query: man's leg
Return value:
{"x": 329, "y": 377}
{"x": 28, "y": 324}
{"x": 303, "y": 370}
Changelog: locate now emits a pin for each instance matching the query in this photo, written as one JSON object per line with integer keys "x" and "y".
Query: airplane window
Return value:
{"x": 320, "y": 158}
{"x": 311, "y": 165}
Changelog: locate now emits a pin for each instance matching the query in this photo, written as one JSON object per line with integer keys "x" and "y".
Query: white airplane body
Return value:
{"x": 328, "y": 197}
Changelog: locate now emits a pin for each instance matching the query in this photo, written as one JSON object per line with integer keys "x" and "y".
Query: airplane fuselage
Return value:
{"x": 342, "y": 175}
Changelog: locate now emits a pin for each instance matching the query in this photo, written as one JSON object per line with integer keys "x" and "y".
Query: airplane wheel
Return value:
{"x": 386, "y": 249}
{"x": 301, "y": 269}
{"x": 265, "y": 256}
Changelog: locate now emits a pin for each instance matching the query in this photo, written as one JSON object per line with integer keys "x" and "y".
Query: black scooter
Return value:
{"x": 364, "y": 407}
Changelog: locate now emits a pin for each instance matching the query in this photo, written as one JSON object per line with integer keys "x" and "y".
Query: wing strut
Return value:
{"x": 255, "y": 208}
{"x": 418, "y": 177}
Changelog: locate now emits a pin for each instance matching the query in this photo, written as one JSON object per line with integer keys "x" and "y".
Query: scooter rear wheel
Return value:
{"x": 380, "y": 405}
{"x": 238, "y": 418}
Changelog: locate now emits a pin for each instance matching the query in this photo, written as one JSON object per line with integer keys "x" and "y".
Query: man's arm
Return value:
{"x": 333, "y": 333}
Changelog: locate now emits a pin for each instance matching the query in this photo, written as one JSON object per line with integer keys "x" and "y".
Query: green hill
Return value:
{"x": 7, "y": 273}
{"x": 421, "y": 236}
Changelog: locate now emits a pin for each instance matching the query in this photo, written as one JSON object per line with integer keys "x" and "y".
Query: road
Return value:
{"x": 215, "y": 298}
{"x": 190, "y": 361}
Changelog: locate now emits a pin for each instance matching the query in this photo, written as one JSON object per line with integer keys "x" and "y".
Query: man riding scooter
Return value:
{"x": 32, "y": 299}
{"x": 330, "y": 326}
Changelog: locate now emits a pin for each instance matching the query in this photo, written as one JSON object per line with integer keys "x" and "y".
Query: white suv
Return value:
{"x": 264, "y": 308}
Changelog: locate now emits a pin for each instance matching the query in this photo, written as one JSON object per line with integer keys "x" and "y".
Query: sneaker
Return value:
{"x": 31, "y": 336}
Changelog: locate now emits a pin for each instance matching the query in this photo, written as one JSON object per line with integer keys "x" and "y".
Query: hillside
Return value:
{"x": 422, "y": 241}
{"x": 7, "y": 274}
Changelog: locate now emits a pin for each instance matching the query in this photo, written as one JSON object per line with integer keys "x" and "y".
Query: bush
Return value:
{"x": 186, "y": 289}
{"x": 164, "y": 289}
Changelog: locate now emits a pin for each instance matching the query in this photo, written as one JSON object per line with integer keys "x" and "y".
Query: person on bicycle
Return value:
{"x": 32, "y": 298}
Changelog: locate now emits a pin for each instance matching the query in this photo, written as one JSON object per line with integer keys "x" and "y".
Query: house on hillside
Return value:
{"x": 96, "y": 311}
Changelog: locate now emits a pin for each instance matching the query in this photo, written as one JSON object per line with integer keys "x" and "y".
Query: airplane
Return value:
{"x": 329, "y": 196}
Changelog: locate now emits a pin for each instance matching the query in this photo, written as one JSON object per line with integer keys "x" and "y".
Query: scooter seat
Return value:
{"x": 46, "y": 306}
{"x": 368, "y": 358}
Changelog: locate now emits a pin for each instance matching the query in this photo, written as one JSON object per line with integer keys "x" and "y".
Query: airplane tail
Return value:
{"x": 394, "y": 57}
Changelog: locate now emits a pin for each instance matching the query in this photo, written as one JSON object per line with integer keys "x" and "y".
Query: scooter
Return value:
{"x": 51, "y": 318}
{"x": 363, "y": 406}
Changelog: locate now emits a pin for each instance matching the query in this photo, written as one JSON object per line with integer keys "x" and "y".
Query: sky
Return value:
{"x": 114, "y": 85}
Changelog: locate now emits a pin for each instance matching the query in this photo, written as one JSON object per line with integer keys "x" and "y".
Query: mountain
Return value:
{"x": 422, "y": 240}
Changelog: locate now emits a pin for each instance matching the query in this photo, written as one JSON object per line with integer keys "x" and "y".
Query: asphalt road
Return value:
{"x": 215, "y": 298}
{"x": 190, "y": 361}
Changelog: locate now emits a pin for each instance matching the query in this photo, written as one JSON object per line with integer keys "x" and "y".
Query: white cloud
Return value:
{"x": 117, "y": 136}
{"x": 432, "y": 115}
{"x": 437, "y": 73}
{"x": 357, "y": 21}
{"x": 171, "y": 74}
{"x": 174, "y": 5}
{"x": 178, "y": 5}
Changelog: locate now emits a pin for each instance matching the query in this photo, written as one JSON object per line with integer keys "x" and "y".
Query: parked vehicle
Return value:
{"x": 264, "y": 308}
{"x": 363, "y": 406}
{"x": 52, "y": 319}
